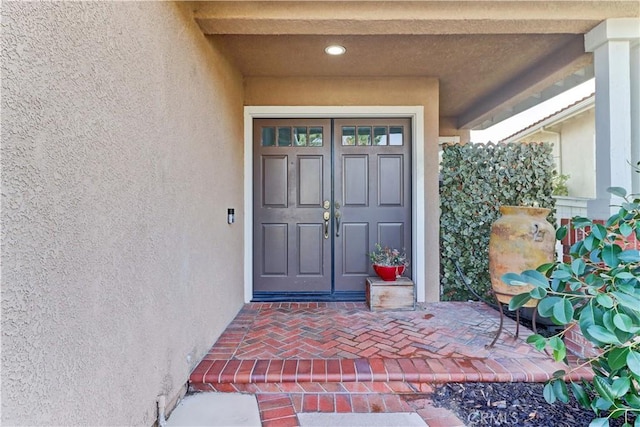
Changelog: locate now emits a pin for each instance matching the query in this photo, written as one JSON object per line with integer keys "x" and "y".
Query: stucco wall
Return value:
{"x": 295, "y": 91}
{"x": 574, "y": 151}
{"x": 578, "y": 154}
{"x": 121, "y": 151}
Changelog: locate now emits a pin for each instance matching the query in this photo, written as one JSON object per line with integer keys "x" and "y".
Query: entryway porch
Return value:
{"x": 341, "y": 357}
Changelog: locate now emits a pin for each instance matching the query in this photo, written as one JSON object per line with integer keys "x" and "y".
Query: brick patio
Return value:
{"x": 341, "y": 357}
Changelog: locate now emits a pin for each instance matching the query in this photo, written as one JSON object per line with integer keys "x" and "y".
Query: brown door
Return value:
{"x": 325, "y": 191}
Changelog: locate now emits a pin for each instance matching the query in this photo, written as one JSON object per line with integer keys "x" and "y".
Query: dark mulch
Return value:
{"x": 510, "y": 404}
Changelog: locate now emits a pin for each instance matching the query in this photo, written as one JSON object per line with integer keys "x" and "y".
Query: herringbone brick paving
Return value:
{"x": 333, "y": 357}
{"x": 349, "y": 330}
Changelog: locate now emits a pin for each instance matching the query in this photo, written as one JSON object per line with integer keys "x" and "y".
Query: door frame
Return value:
{"x": 415, "y": 113}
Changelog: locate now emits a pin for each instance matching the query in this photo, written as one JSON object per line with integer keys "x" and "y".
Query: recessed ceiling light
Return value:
{"x": 335, "y": 49}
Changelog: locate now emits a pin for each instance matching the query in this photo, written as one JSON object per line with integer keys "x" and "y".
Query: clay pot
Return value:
{"x": 387, "y": 273}
{"x": 521, "y": 239}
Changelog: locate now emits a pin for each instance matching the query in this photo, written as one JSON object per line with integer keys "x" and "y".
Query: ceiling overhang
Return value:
{"x": 558, "y": 72}
{"x": 493, "y": 58}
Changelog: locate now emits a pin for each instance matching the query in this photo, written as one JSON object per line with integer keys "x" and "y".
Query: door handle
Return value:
{"x": 326, "y": 216}
{"x": 338, "y": 223}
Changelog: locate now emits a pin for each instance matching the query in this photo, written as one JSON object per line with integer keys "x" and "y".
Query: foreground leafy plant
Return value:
{"x": 598, "y": 292}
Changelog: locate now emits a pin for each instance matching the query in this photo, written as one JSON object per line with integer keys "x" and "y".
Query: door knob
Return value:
{"x": 338, "y": 215}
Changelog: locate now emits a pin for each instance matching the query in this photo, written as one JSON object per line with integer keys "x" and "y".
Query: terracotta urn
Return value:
{"x": 521, "y": 239}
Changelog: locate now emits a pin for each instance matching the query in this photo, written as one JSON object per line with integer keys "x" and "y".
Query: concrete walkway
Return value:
{"x": 216, "y": 409}
{"x": 241, "y": 410}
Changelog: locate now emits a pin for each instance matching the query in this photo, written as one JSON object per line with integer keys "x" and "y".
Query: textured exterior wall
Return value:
{"x": 578, "y": 154}
{"x": 121, "y": 151}
{"x": 574, "y": 149}
{"x": 372, "y": 92}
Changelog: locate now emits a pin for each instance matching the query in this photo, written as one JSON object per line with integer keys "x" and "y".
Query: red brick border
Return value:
{"x": 222, "y": 372}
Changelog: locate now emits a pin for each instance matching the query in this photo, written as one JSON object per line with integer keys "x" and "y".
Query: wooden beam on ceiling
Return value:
{"x": 555, "y": 67}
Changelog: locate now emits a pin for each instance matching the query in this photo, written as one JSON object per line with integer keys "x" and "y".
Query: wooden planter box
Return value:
{"x": 396, "y": 295}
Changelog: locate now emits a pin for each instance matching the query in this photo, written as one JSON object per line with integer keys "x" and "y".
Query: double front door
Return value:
{"x": 325, "y": 192}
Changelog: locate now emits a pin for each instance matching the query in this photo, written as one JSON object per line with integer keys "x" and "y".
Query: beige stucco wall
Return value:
{"x": 121, "y": 151}
{"x": 261, "y": 91}
{"x": 449, "y": 127}
{"x": 574, "y": 150}
{"x": 578, "y": 154}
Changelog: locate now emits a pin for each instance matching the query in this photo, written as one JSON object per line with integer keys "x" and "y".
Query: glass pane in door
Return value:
{"x": 268, "y": 137}
{"x": 348, "y": 135}
{"x": 284, "y": 137}
{"x": 396, "y": 135}
{"x": 364, "y": 135}
{"x": 379, "y": 135}
{"x": 300, "y": 136}
{"x": 315, "y": 137}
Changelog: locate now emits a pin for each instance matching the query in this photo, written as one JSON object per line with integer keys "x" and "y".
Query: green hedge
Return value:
{"x": 476, "y": 180}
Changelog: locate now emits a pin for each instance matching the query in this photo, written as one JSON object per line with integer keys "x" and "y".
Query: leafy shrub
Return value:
{"x": 476, "y": 180}
{"x": 559, "y": 184}
{"x": 599, "y": 292}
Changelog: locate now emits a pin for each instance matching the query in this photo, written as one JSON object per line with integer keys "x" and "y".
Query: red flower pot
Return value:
{"x": 388, "y": 274}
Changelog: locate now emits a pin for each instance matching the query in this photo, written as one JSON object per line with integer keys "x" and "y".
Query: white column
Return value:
{"x": 614, "y": 43}
{"x": 635, "y": 112}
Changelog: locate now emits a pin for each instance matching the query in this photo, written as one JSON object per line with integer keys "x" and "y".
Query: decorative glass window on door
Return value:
{"x": 364, "y": 135}
{"x": 396, "y": 135}
{"x": 378, "y": 135}
{"x": 297, "y": 136}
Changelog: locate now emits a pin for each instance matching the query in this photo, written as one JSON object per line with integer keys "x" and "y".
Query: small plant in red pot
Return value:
{"x": 388, "y": 263}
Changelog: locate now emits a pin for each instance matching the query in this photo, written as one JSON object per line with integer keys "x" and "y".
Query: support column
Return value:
{"x": 635, "y": 111}
{"x": 614, "y": 44}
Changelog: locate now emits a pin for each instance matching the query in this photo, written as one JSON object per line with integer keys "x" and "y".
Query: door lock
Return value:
{"x": 326, "y": 204}
{"x": 326, "y": 216}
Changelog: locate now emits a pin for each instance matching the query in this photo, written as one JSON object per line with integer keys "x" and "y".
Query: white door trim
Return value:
{"x": 415, "y": 113}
